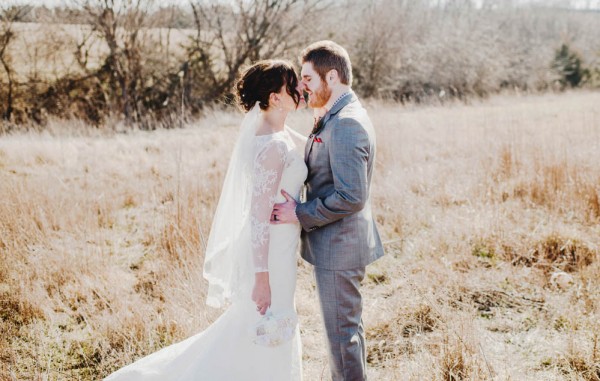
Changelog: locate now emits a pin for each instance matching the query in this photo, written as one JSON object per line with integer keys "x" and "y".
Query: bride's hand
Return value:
{"x": 261, "y": 294}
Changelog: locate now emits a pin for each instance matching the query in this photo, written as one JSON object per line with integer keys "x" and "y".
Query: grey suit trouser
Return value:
{"x": 341, "y": 305}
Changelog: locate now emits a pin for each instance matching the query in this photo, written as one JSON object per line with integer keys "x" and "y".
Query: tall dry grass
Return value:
{"x": 489, "y": 213}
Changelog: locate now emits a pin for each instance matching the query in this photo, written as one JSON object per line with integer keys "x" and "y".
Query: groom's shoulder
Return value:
{"x": 353, "y": 113}
{"x": 351, "y": 110}
{"x": 351, "y": 125}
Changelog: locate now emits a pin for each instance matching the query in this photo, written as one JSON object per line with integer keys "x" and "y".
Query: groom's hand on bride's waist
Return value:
{"x": 284, "y": 213}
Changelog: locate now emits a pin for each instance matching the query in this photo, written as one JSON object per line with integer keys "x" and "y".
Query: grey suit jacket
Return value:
{"x": 339, "y": 232}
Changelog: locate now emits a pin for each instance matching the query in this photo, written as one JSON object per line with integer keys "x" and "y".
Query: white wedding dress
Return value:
{"x": 225, "y": 351}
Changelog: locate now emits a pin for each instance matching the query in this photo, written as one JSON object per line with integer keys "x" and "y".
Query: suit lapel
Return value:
{"x": 311, "y": 139}
{"x": 351, "y": 97}
{"x": 308, "y": 148}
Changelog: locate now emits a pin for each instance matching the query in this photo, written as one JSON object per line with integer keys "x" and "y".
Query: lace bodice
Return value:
{"x": 278, "y": 164}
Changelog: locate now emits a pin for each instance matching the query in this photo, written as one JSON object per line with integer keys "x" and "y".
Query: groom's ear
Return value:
{"x": 332, "y": 77}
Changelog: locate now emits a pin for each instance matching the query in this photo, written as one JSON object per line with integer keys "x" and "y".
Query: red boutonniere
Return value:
{"x": 318, "y": 139}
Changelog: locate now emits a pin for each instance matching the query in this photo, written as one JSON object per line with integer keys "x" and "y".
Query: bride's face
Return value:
{"x": 287, "y": 101}
{"x": 302, "y": 101}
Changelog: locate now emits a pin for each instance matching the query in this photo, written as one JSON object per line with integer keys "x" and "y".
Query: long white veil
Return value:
{"x": 228, "y": 257}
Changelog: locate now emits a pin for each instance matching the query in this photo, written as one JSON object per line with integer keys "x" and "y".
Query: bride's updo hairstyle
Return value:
{"x": 257, "y": 82}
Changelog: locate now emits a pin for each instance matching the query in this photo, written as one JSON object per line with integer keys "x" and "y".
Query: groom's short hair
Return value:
{"x": 327, "y": 55}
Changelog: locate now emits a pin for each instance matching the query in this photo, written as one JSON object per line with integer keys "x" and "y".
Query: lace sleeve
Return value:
{"x": 268, "y": 167}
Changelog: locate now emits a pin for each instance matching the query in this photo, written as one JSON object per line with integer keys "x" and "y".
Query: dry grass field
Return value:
{"x": 490, "y": 214}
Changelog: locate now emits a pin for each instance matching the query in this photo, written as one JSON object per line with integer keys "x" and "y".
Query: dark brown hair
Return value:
{"x": 327, "y": 55}
{"x": 258, "y": 81}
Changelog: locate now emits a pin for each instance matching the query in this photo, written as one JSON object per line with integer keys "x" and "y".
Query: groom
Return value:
{"x": 339, "y": 235}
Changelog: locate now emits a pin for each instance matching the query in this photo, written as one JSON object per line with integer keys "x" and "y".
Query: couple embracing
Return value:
{"x": 250, "y": 261}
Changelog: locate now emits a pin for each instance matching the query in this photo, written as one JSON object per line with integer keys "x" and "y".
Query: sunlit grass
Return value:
{"x": 489, "y": 213}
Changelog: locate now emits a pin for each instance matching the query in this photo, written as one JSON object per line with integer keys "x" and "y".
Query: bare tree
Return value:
{"x": 119, "y": 25}
{"x": 232, "y": 34}
{"x": 374, "y": 52}
{"x": 8, "y": 16}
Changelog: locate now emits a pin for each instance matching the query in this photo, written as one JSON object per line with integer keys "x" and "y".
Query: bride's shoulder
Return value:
{"x": 271, "y": 144}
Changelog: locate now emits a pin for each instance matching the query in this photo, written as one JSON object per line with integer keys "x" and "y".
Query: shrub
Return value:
{"x": 569, "y": 66}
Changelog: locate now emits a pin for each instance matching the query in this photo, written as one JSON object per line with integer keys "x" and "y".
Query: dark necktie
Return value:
{"x": 317, "y": 125}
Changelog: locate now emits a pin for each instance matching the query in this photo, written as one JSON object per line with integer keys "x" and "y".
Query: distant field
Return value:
{"x": 489, "y": 211}
{"x": 48, "y": 49}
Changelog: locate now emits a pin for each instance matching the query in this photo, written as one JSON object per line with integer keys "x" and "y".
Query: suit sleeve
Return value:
{"x": 348, "y": 155}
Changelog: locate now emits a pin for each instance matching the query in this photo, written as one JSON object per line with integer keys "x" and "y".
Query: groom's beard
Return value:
{"x": 320, "y": 98}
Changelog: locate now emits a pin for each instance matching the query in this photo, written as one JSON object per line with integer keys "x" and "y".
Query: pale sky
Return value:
{"x": 582, "y": 4}
{"x": 53, "y": 3}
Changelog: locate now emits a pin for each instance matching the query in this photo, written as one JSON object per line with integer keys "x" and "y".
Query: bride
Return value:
{"x": 250, "y": 264}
